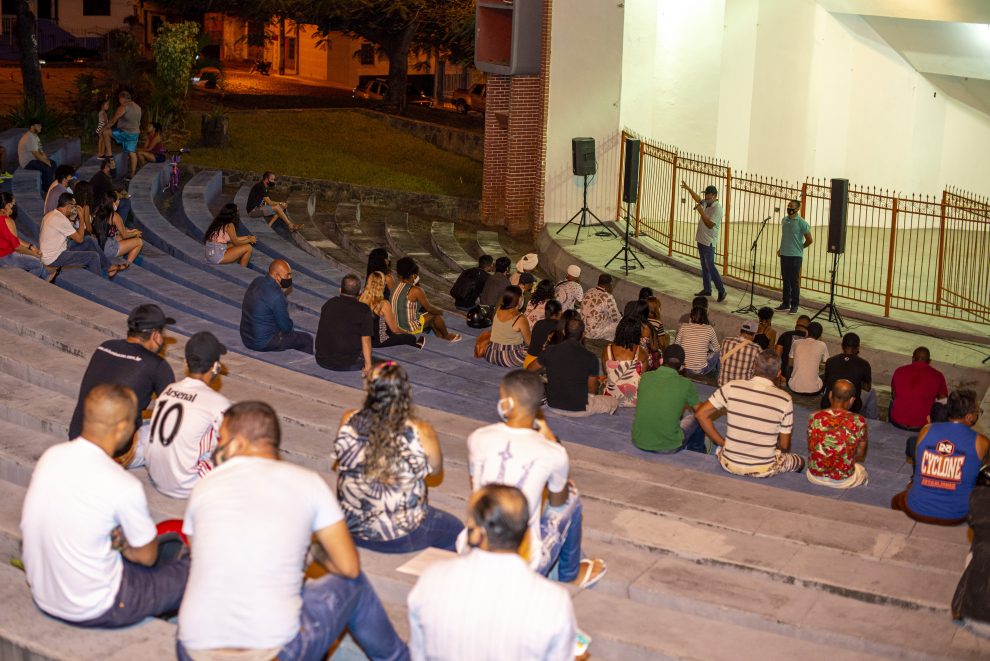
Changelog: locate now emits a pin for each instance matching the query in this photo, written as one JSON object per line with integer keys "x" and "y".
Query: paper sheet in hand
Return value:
{"x": 422, "y": 561}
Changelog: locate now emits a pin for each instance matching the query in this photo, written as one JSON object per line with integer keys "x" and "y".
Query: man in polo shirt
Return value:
{"x": 90, "y": 544}
{"x": 785, "y": 340}
{"x": 795, "y": 237}
{"x": 343, "y": 338}
{"x": 265, "y": 321}
{"x": 64, "y": 244}
{"x": 850, "y": 366}
{"x": 134, "y": 362}
{"x": 535, "y": 617}
{"x": 250, "y": 523}
{"x": 914, "y": 389}
{"x": 837, "y": 441}
{"x": 665, "y": 407}
{"x": 709, "y": 222}
{"x": 259, "y": 205}
{"x": 572, "y": 376}
{"x": 760, "y": 418}
{"x": 738, "y": 355}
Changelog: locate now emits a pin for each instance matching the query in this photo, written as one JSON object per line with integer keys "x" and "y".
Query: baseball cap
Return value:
{"x": 204, "y": 348}
{"x": 749, "y": 327}
{"x": 147, "y": 317}
{"x": 711, "y": 189}
{"x": 574, "y": 271}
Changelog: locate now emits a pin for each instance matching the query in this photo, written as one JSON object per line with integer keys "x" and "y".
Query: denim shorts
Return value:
{"x": 111, "y": 248}
{"x": 215, "y": 252}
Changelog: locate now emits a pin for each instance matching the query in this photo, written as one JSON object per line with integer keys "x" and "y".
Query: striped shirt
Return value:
{"x": 741, "y": 364}
{"x": 489, "y": 606}
{"x": 698, "y": 341}
{"x": 406, "y": 311}
{"x": 757, "y": 413}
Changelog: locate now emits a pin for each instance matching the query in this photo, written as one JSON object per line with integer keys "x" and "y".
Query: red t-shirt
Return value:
{"x": 916, "y": 387}
{"x": 8, "y": 242}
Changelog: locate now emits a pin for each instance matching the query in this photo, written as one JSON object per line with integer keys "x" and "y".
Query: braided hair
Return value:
{"x": 383, "y": 418}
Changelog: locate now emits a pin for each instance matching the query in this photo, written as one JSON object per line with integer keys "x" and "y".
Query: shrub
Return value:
{"x": 53, "y": 122}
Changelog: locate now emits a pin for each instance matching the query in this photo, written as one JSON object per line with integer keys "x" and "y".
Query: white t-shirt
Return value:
{"x": 26, "y": 146}
{"x": 522, "y": 458}
{"x": 55, "y": 232}
{"x": 185, "y": 426}
{"x": 489, "y": 607}
{"x": 807, "y": 355}
{"x": 250, "y": 520}
{"x": 77, "y": 496}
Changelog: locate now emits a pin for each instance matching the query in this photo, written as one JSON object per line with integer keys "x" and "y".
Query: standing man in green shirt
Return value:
{"x": 663, "y": 398}
{"x": 795, "y": 236}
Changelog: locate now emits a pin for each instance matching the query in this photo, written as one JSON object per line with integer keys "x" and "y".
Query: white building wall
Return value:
{"x": 71, "y": 19}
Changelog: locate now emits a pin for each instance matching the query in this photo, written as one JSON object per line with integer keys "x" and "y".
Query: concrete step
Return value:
{"x": 447, "y": 248}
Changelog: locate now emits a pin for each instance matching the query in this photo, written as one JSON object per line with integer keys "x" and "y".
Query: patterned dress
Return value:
{"x": 380, "y": 510}
{"x": 834, "y": 437}
{"x": 622, "y": 378}
{"x": 600, "y": 313}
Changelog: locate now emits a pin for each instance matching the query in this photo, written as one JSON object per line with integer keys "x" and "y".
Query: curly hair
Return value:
{"x": 542, "y": 292}
{"x": 228, "y": 215}
{"x": 383, "y": 418}
{"x": 374, "y": 291}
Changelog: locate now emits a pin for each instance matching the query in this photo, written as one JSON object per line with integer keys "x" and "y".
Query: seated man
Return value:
{"x": 760, "y": 419}
{"x": 738, "y": 355}
{"x": 786, "y": 339}
{"x": 134, "y": 362}
{"x": 265, "y": 321}
{"x": 249, "y": 524}
{"x": 524, "y": 452}
{"x": 948, "y": 458}
{"x": 807, "y": 355}
{"x": 259, "y": 205}
{"x": 850, "y": 366}
{"x": 186, "y": 422}
{"x": 599, "y": 310}
{"x": 572, "y": 375}
{"x": 90, "y": 544}
{"x": 495, "y": 284}
{"x": 30, "y": 155}
{"x": 343, "y": 339}
{"x": 64, "y": 244}
{"x": 413, "y": 311}
{"x": 665, "y": 408}
{"x": 837, "y": 440}
{"x": 568, "y": 291}
{"x": 63, "y": 177}
{"x": 914, "y": 389}
{"x": 536, "y": 618}
{"x": 470, "y": 283}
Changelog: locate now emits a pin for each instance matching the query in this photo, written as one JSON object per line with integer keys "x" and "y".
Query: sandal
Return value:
{"x": 587, "y": 577}
{"x": 455, "y": 338}
{"x": 421, "y": 341}
{"x": 114, "y": 270}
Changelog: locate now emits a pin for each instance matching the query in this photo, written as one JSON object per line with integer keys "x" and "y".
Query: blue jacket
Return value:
{"x": 264, "y": 313}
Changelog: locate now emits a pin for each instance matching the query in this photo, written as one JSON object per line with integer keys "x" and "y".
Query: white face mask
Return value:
{"x": 416, "y": 280}
{"x": 504, "y": 408}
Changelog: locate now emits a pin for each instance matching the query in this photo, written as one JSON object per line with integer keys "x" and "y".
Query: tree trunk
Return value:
{"x": 281, "y": 44}
{"x": 397, "y": 51}
{"x": 27, "y": 43}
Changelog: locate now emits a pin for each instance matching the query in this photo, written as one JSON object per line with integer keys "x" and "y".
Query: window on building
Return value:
{"x": 367, "y": 54}
{"x": 96, "y": 7}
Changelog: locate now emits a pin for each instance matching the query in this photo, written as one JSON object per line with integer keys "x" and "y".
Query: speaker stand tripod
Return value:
{"x": 751, "y": 308}
{"x": 833, "y": 312}
{"x": 584, "y": 212}
{"x": 625, "y": 252}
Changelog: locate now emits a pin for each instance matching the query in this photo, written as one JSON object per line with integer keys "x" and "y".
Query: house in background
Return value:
{"x": 67, "y": 22}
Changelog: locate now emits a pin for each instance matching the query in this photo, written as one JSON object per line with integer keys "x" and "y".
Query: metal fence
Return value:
{"x": 912, "y": 253}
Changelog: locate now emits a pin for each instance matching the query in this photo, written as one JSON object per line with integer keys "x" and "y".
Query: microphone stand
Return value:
{"x": 751, "y": 308}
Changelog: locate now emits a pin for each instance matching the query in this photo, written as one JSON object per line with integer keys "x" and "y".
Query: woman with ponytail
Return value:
{"x": 384, "y": 456}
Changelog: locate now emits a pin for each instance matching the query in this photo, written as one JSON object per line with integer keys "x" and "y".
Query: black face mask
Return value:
{"x": 286, "y": 283}
{"x": 271, "y": 184}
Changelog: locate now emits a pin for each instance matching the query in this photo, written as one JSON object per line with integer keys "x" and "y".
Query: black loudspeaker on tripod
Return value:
{"x": 630, "y": 193}
{"x": 584, "y": 164}
{"x": 837, "y": 215}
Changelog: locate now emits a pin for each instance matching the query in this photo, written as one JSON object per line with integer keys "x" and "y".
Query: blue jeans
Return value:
{"x": 790, "y": 274}
{"x": 329, "y": 604}
{"x": 710, "y": 367}
{"x": 24, "y": 262}
{"x": 439, "y": 529}
{"x": 47, "y": 172}
{"x": 87, "y": 254}
{"x": 870, "y": 408}
{"x": 709, "y": 273}
{"x": 298, "y": 340}
{"x": 560, "y": 528}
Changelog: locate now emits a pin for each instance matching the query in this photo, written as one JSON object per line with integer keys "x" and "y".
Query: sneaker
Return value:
{"x": 793, "y": 310}
{"x": 721, "y": 297}
{"x": 703, "y": 293}
{"x": 782, "y": 307}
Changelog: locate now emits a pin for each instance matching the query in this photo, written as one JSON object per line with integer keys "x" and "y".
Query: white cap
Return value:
{"x": 574, "y": 271}
{"x": 528, "y": 262}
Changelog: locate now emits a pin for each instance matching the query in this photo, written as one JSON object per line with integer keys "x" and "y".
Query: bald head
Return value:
{"x": 842, "y": 395}
{"x": 109, "y": 411}
{"x": 280, "y": 268}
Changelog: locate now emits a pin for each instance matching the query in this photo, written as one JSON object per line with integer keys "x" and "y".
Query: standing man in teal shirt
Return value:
{"x": 795, "y": 236}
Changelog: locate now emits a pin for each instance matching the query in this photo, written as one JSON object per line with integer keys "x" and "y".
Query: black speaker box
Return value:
{"x": 583, "y": 156}
{"x": 630, "y": 172}
{"x": 837, "y": 212}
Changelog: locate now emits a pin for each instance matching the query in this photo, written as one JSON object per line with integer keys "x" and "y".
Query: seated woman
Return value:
{"x": 223, "y": 244}
{"x": 384, "y": 456}
{"x": 378, "y": 260}
{"x": 652, "y": 340}
{"x": 153, "y": 150}
{"x": 510, "y": 332}
{"x": 386, "y": 331}
{"x": 413, "y": 311}
{"x": 625, "y": 361}
{"x": 113, "y": 236}
{"x": 85, "y": 204}
{"x": 14, "y": 251}
{"x": 766, "y": 336}
{"x": 539, "y": 336}
{"x": 541, "y": 294}
{"x": 700, "y": 344}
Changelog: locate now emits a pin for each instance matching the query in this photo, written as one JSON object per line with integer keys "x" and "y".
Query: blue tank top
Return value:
{"x": 945, "y": 470}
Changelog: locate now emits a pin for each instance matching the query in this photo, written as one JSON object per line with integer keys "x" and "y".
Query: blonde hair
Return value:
{"x": 374, "y": 290}
{"x": 655, "y": 307}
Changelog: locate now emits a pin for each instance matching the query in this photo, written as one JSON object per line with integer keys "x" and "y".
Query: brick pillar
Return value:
{"x": 515, "y": 146}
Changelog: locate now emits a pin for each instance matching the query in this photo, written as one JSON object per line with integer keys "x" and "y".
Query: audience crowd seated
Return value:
{"x": 384, "y": 455}
{"x": 599, "y": 310}
{"x": 115, "y": 238}
{"x": 224, "y": 245}
{"x": 470, "y": 283}
{"x": 837, "y": 441}
{"x": 385, "y": 330}
{"x": 700, "y": 343}
{"x": 265, "y": 321}
{"x": 260, "y": 205}
{"x": 413, "y": 311}
{"x": 343, "y": 338}
{"x": 665, "y": 408}
{"x": 15, "y": 252}
{"x": 572, "y": 374}
{"x": 510, "y": 334}
{"x": 738, "y": 355}
{"x": 807, "y": 356}
{"x": 379, "y": 260}
{"x": 64, "y": 244}
{"x": 569, "y": 291}
{"x": 850, "y": 366}
{"x": 624, "y": 361}
{"x": 914, "y": 389}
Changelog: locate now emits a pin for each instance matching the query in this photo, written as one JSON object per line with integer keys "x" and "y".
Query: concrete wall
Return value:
{"x": 71, "y": 19}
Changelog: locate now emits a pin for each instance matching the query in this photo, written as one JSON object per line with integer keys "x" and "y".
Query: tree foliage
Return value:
{"x": 176, "y": 47}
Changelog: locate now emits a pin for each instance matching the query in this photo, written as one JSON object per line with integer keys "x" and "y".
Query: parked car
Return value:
{"x": 376, "y": 89}
{"x": 74, "y": 54}
{"x": 466, "y": 100}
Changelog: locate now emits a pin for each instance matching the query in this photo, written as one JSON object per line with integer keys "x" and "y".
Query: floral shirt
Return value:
{"x": 600, "y": 313}
{"x": 833, "y": 438}
{"x": 568, "y": 293}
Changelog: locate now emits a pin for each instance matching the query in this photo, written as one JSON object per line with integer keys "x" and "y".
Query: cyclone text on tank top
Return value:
{"x": 945, "y": 471}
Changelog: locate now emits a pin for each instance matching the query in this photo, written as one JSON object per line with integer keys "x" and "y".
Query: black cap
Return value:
{"x": 204, "y": 348}
{"x": 147, "y": 317}
{"x": 711, "y": 189}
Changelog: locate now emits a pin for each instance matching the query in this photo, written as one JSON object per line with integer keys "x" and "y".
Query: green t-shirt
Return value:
{"x": 792, "y": 233}
{"x": 661, "y": 398}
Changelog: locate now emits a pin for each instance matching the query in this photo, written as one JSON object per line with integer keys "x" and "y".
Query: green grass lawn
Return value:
{"x": 337, "y": 145}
